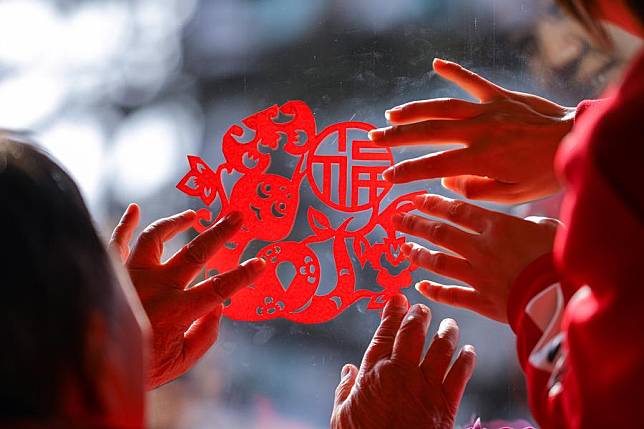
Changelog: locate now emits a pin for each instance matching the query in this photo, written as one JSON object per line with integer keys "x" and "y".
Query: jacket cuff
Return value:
{"x": 537, "y": 276}
{"x": 584, "y": 106}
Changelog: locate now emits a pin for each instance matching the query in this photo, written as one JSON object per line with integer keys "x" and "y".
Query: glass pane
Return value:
{"x": 122, "y": 91}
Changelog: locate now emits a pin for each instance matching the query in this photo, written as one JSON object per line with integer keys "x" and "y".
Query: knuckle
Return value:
{"x": 416, "y": 254}
{"x": 493, "y": 228}
{"x": 195, "y": 254}
{"x": 439, "y": 261}
{"x": 242, "y": 276}
{"x": 148, "y": 234}
{"x": 340, "y": 390}
{"x": 443, "y": 345}
{"x": 429, "y": 203}
{"x": 119, "y": 229}
{"x": 217, "y": 286}
{"x": 457, "y": 210}
{"x": 386, "y": 332}
{"x": 437, "y": 231}
{"x": 409, "y": 222}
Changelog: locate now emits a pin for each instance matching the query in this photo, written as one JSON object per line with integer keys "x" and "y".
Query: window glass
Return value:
{"x": 121, "y": 91}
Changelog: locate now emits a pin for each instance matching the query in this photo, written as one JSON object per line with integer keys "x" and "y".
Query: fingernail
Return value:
{"x": 346, "y": 369}
{"x": 445, "y": 326}
{"x": 187, "y": 213}
{"x": 255, "y": 265}
{"x": 378, "y": 133}
{"x": 406, "y": 249}
{"x": 388, "y": 174}
{"x": 399, "y": 300}
{"x": 469, "y": 349}
{"x": 388, "y": 115}
{"x": 439, "y": 61}
{"x": 420, "y": 309}
{"x": 234, "y": 218}
{"x": 421, "y": 286}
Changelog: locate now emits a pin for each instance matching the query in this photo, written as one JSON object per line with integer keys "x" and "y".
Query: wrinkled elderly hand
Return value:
{"x": 510, "y": 139}
{"x": 396, "y": 387}
{"x": 493, "y": 248}
{"x": 185, "y": 320}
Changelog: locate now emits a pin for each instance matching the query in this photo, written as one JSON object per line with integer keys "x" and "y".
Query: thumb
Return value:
{"x": 123, "y": 232}
{"x": 347, "y": 380}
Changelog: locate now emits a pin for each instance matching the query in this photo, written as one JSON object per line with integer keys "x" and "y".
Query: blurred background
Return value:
{"x": 121, "y": 91}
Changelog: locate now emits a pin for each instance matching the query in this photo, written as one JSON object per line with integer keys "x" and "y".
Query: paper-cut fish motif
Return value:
{"x": 344, "y": 171}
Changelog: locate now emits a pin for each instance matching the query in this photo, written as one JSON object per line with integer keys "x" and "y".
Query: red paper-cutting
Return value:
{"x": 343, "y": 169}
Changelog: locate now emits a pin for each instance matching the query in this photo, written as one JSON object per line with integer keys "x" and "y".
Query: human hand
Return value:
{"x": 394, "y": 388}
{"x": 494, "y": 249}
{"x": 510, "y": 140}
{"x": 184, "y": 320}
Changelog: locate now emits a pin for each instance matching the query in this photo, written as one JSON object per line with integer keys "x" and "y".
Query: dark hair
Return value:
{"x": 582, "y": 11}
{"x": 56, "y": 274}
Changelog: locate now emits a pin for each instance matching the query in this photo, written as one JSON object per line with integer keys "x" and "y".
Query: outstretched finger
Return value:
{"x": 203, "y": 297}
{"x": 439, "y": 263}
{"x": 458, "y": 376}
{"x": 459, "y": 212}
{"x": 120, "y": 241}
{"x": 435, "y": 165}
{"x": 469, "y": 81}
{"x": 347, "y": 380}
{"x": 149, "y": 246}
{"x": 454, "y": 296}
{"x": 439, "y": 108}
{"x": 410, "y": 340}
{"x": 427, "y": 132}
{"x": 440, "y": 352}
{"x": 482, "y": 188}
{"x": 383, "y": 340}
{"x": 439, "y": 233}
{"x": 189, "y": 261}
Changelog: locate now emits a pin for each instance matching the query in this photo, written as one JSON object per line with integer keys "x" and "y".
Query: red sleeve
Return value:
{"x": 535, "y": 310}
{"x": 584, "y": 357}
{"x": 585, "y": 105}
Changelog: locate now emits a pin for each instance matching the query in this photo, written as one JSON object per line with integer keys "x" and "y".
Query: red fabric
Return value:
{"x": 585, "y": 105}
{"x": 594, "y": 378}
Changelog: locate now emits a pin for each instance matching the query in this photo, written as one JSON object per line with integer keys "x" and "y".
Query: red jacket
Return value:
{"x": 579, "y": 313}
